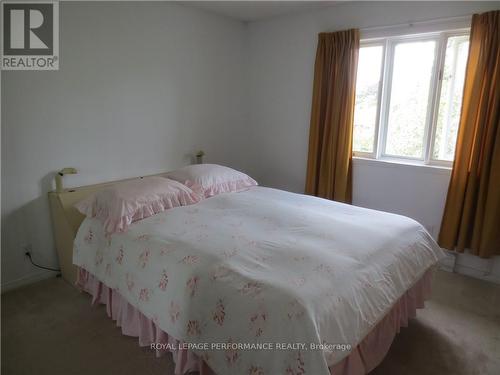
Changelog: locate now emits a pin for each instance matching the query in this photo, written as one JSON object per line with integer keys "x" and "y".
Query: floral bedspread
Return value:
{"x": 262, "y": 281}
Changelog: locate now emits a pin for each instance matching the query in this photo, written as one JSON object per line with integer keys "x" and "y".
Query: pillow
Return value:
{"x": 124, "y": 203}
{"x": 213, "y": 179}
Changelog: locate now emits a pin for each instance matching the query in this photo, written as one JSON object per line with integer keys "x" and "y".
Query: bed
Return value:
{"x": 261, "y": 281}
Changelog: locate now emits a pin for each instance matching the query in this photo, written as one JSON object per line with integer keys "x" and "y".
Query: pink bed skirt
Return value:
{"x": 364, "y": 358}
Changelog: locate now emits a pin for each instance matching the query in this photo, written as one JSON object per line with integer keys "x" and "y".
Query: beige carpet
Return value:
{"x": 50, "y": 328}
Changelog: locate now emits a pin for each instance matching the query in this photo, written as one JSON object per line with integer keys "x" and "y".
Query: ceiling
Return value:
{"x": 248, "y": 11}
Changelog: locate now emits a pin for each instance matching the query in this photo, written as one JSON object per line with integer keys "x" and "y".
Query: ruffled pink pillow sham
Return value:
{"x": 125, "y": 203}
{"x": 213, "y": 179}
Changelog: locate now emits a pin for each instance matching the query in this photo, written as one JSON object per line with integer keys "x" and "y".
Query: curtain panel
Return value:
{"x": 471, "y": 216}
{"x": 329, "y": 162}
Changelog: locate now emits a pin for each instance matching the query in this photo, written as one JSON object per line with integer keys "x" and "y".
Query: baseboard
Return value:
{"x": 448, "y": 262}
{"x": 28, "y": 279}
{"x": 477, "y": 273}
{"x": 469, "y": 265}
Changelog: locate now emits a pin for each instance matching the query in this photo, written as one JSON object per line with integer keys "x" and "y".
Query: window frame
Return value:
{"x": 380, "y": 93}
{"x": 384, "y": 95}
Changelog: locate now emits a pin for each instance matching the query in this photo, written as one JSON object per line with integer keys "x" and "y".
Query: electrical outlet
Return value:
{"x": 29, "y": 257}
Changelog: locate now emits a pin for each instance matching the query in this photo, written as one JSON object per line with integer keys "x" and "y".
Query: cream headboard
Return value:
{"x": 66, "y": 220}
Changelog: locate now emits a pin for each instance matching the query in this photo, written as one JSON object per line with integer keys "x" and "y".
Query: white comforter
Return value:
{"x": 263, "y": 266}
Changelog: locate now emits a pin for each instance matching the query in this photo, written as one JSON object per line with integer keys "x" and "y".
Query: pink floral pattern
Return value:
{"x": 89, "y": 236}
{"x": 174, "y": 312}
{"x": 192, "y": 285}
{"x": 219, "y": 313}
{"x": 220, "y": 272}
{"x": 251, "y": 289}
{"x": 144, "y": 295}
{"x": 257, "y": 322}
{"x": 300, "y": 258}
{"x": 263, "y": 258}
{"x": 166, "y": 250}
{"x": 99, "y": 257}
{"x": 297, "y": 368}
{"x": 129, "y": 280}
{"x": 143, "y": 237}
{"x": 119, "y": 257}
{"x": 298, "y": 281}
{"x": 229, "y": 253}
{"x": 232, "y": 354}
{"x": 162, "y": 284}
{"x": 255, "y": 370}
{"x": 193, "y": 328}
{"x": 144, "y": 258}
{"x": 190, "y": 259}
{"x": 295, "y": 310}
{"x": 323, "y": 268}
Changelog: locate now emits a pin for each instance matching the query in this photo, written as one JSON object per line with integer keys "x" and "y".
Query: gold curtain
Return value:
{"x": 330, "y": 135}
{"x": 472, "y": 213}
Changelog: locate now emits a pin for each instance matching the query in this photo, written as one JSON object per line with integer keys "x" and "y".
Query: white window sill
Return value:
{"x": 400, "y": 163}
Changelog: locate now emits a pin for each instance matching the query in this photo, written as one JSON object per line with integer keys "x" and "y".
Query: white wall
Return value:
{"x": 281, "y": 66}
{"x": 140, "y": 87}
{"x": 416, "y": 191}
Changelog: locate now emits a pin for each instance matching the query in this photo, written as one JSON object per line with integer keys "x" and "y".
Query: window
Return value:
{"x": 409, "y": 97}
{"x": 367, "y": 97}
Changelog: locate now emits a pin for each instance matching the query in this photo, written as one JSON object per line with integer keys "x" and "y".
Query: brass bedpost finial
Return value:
{"x": 62, "y": 172}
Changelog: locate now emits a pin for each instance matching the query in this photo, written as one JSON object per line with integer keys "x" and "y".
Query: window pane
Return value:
{"x": 450, "y": 101}
{"x": 367, "y": 87}
{"x": 411, "y": 78}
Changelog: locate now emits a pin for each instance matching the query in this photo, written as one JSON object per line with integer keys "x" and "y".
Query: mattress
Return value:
{"x": 306, "y": 276}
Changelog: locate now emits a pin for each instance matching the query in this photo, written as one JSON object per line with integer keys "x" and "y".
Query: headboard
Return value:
{"x": 66, "y": 220}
